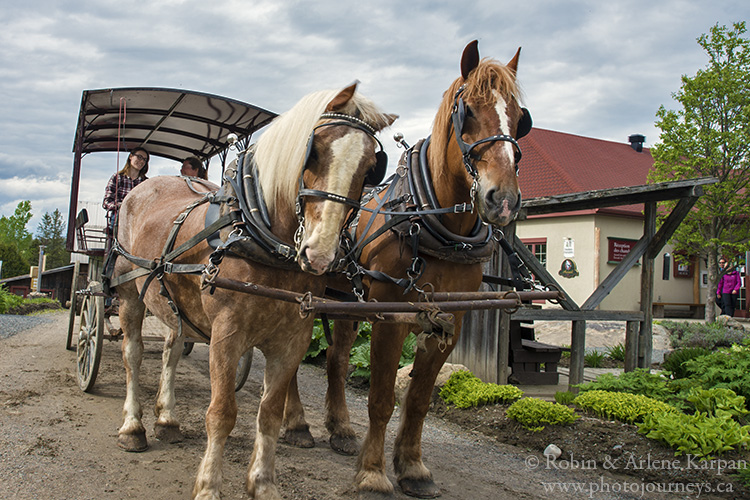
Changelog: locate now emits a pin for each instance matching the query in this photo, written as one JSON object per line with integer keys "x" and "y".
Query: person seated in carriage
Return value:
{"x": 193, "y": 167}
{"x": 121, "y": 183}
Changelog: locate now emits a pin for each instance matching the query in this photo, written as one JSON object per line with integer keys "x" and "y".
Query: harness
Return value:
{"x": 412, "y": 212}
{"x": 237, "y": 221}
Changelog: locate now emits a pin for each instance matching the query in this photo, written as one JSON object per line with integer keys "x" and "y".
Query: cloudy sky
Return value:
{"x": 588, "y": 67}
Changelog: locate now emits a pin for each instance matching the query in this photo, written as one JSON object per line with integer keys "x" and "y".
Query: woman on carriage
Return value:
{"x": 121, "y": 183}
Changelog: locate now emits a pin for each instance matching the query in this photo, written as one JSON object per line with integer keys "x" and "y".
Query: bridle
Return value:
{"x": 374, "y": 175}
{"x": 458, "y": 116}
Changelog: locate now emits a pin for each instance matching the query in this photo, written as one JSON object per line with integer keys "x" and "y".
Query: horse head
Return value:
{"x": 479, "y": 121}
{"x": 340, "y": 155}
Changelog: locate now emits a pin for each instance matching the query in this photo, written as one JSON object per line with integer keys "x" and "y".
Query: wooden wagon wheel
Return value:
{"x": 243, "y": 369}
{"x": 73, "y": 306}
{"x": 90, "y": 337}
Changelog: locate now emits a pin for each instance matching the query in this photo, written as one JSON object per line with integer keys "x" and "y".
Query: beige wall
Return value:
{"x": 589, "y": 234}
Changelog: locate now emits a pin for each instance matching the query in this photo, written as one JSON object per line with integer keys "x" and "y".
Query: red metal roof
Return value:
{"x": 556, "y": 163}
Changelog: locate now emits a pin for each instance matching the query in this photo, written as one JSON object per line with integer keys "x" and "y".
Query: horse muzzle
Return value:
{"x": 498, "y": 208}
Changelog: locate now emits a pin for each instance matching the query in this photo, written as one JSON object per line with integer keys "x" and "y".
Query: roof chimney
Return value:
{"x": 636, "y": 142}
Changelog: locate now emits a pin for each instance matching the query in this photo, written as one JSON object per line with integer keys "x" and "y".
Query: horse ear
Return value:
{"x": 342, "y": 98}
{"x": 390, "y": 118}
{"x": 469, "y": 59}
{"x": 513, "y": 64}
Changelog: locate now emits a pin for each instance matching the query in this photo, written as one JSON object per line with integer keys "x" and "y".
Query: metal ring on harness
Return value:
{"x": 512, "y": 294}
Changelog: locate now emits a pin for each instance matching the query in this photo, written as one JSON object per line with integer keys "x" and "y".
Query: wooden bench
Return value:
{"x": 91, "y": 241}
{"x": 678, "y": 309}
{"x": 527, "y": 356}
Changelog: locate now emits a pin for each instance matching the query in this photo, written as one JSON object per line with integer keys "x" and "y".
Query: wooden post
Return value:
{"x": 577, "y": 353}
{"x": 645, "y": 341}
{"x": 631, "y": 345}
{"x": 503, "y": 332}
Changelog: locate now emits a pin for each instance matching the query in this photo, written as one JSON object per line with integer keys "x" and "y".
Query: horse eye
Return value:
{"x": 469, "y": 112}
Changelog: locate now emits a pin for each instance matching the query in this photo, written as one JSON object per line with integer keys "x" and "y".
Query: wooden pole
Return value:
{"x": 645, "y": 341}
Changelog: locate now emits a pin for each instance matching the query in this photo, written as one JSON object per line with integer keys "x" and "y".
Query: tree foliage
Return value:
{"x": 51, "y": 234}
{"x": 710, "y": 137}
{"x": 15, "y": 241}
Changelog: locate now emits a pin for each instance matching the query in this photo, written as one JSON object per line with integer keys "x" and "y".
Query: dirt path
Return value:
{"x": 57, "y": 442}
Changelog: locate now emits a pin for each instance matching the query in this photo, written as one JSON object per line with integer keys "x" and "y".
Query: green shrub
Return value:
{"x": 593, "y": 359}
{"x": 699, "y": 435}
{"x": 639, "y": 381}
{"x": 616, "y": 352}
{"x": 707, "y": 335}
{"x": 564, "y": 398}
{"x": 532, "y": 412}
{"x": 318, "y": 343}
{"x": 743, "y": 474}
{"x": 465, "y": 390}
{"x": 718, "y": 402}
{"x": 360, "y": 356}
{"x": 674, "y": 360}
{"x": 8, "y": 300}
{"x": 725, "y": 369}
{"x": 622, "y": 406}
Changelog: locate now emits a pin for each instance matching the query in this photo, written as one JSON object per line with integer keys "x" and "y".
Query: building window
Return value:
{"x": 539, "y": 248}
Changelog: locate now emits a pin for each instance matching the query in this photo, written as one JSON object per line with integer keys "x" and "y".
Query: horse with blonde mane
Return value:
{"x": 470, "y": 160}
{"x": 309, "y": 160}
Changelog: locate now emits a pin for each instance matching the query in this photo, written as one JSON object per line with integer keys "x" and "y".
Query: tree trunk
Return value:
{"x": 713, "y": 282}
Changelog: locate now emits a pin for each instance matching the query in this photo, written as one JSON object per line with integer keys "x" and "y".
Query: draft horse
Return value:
{"x": 470, "y": 160}
{"x": 309, "y": 160}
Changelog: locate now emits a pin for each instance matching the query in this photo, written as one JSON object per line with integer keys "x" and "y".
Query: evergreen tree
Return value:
{"x": 51, "y": 234}
{"x": 710, "y": 136}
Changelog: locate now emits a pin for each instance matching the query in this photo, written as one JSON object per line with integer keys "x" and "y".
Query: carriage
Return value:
{"x": 171, "y": 124}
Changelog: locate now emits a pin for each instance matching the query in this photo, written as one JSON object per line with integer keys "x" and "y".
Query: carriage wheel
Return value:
{"x": 243, "y": 369}
{"x": 73, "y": 306}
{"x": 90, "y": 337}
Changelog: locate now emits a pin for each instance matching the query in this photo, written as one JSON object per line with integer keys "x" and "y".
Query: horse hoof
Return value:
{"x": 420, "y": 488}
{"x": 345, "y": 445}
{"x": 168, "y": 433}
{"x": 301, "y": 438}
{"x": 135, "y": 443}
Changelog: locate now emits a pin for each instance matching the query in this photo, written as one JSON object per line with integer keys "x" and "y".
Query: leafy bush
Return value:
{"x": 564, "y": 398}
{"x": 531, "y": 412}
{"x": 8, "y": 300}
{"x": 699, "y": 334}
{"x": 593, "y": 359}
{"x": 743, "y": 474}
{"x": 360, "y": 356}
{"x": 622, "y": 406}
{"x": 674, "y": 360}
{"x": 699, "y": 435}
{"x": 725, "y": 368}
{"x": 718, "y": 402}
{"x": 640, "y": 381}
{"x": 616, "y": 352}
{"x": 465, "y": 390}
{"x": 318, "y": 344}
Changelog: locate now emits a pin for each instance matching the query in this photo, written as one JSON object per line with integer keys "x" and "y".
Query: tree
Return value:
{"x": 16, "y": 240}
{"x": 710, "y": 136}
{"x": 50, "y": 233}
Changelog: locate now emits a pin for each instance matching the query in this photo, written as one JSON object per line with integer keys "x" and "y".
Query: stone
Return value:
{"x": 552, "y": 451}
{"x": 402, "y": 377}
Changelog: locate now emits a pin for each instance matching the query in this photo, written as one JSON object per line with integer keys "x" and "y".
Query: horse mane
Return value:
{"x": 489, "y": 75}
{"x": 280, "y": 151}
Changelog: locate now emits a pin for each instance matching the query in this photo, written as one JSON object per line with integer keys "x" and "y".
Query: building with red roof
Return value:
{"x": 581, "y": 248}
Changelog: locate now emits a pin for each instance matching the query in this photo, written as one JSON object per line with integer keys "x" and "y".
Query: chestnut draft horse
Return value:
{"x": 313, "y": 157}
{"x": 471, "y": 157}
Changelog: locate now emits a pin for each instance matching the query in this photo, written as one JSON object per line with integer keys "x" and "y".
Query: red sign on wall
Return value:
{"x": 683, "y": 270}
{"x": 619, "y": 248}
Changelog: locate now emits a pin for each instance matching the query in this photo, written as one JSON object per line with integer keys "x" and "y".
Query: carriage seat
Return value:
{"x": 92, "y": 241}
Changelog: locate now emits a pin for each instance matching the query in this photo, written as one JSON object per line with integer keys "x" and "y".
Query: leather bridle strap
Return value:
{"x": 458, "y": 117}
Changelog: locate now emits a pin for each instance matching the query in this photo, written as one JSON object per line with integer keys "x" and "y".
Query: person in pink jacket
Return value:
{"x": 728, "y": 289}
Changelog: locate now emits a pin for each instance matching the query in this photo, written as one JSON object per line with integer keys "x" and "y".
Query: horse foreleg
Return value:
{"x": 261, "y": 475}
{"x": 343, "y": 437}
{"x": 385, "y": 352}
{"x": 132, "y": 434}
{"x": 413, "y": 476}
{"x": 220, "y": 419}
{"x": 296, "y": 430}
{"x": 167, "y": 427}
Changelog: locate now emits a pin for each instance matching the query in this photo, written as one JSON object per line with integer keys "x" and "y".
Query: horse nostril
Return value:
{"x": 490, "y": 197}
